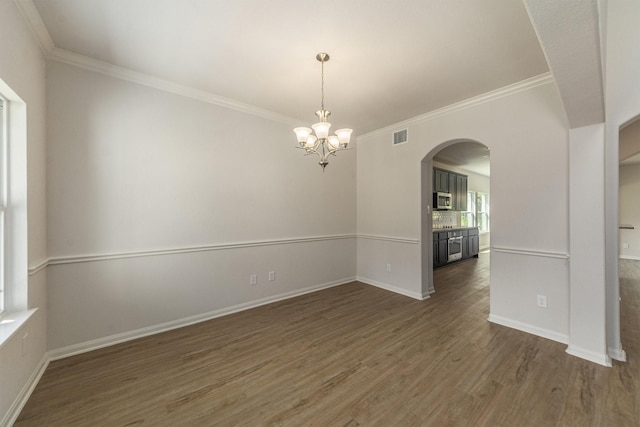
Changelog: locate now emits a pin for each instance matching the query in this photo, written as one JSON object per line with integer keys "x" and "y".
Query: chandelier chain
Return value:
{"x": 322, "y": 85}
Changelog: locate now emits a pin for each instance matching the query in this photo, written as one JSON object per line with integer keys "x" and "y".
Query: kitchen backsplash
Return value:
{"x": 446, "y": 219}
{"x": 452, "y": 219}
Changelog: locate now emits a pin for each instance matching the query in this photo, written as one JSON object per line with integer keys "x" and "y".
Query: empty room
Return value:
{"x": 319, "y": 213}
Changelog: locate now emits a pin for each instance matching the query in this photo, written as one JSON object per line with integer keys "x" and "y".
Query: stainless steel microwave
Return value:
{"x": 442, "y": 201}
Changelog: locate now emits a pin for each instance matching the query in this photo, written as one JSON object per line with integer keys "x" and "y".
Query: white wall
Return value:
{"x": 22, "y": 70}
{"x": 630, "y": 210}
{"x": 181, "y": 201}
{"x": 622, "y": 105}
{"x": 527, "y": 134}
{"x": 587, "y": 309}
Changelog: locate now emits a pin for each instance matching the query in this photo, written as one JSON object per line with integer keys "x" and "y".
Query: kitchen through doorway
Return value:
{"x": 455, "y": 208}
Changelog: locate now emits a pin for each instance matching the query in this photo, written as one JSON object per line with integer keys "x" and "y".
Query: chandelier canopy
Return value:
{"x": 318, "y": 141}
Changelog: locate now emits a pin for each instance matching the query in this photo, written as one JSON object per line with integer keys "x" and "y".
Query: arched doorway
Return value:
{"x": 462, "y": 158}
{"x": 628, "y": 249}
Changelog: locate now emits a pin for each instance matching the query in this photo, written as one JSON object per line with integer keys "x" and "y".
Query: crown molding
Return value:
{"x": 81, "y": 61}
{"x": 50, "y": 51}
{"x": 539, "y": 80}
{"x": 34, "y": 22}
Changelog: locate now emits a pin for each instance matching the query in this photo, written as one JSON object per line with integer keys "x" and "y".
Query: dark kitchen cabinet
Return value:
{"x": 440, "y": 181}
{"x": 450, "y": 182}
{"x": 461, "y": 193}
{"x": 443, "y": 251}
{"x": 474, "y": 242}
{"x": 465, "y": 244}
{"x": 470, "y": 245}
{"x": 452, "y": 189}
{"x": 440, "y": 249}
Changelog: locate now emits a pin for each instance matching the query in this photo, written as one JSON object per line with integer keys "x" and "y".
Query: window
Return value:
{"x": 477, "y": 214}
{"x": 3, "y": 199}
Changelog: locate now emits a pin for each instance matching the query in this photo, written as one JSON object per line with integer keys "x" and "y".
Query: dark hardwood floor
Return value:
{"x": 353, "y": 355}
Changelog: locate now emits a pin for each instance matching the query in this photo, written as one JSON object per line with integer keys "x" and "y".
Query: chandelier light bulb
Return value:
{"x": 344, "y": 135}
{"x": 311, "y": 141}
{"x": 302, "y": 133}
{"x": 321, "y": 129}
{"x": 334, "y": 142}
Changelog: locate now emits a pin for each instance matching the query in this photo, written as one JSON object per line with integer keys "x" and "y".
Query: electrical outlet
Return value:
{"x": 625, "y": 246}
{"x": 542, "y": 301}
{"x": 272, "y": 276}
{"x": 389, "y": 268}
{"x": 253, "y": 279}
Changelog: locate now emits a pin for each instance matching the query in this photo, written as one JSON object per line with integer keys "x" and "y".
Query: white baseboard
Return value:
{"x": 392, "y": 288}
{"x": 98, "y": 343}
{"x": 599, "y": 358}
{"x": 14, "y": 411}
{"x": 632, "y": 257}
{"x": 618, "y": 354}
{"x": 530, "y": 329}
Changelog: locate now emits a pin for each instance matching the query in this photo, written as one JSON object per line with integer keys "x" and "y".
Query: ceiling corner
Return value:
{"x": 34, "y": 22}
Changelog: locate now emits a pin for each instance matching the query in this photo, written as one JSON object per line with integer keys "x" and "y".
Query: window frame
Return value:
{"x": 473, "y": 213}
{"x": 4, "y": 125}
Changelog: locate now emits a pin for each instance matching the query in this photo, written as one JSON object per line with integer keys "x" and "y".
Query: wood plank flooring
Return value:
{"x": 353, "y": 355}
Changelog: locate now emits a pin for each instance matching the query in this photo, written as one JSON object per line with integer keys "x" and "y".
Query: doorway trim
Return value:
{"x": 426, "y": 210}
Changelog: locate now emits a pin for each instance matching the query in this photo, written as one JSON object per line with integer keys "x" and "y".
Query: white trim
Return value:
{"x": 38, "y": 267}
{"x": 34, "y": 22}
{"x": 16, "y": 407}
{"x": 392, "y": 288}
{"x": 523, "y": 85}
{"x": 618, "y": 354}
{"x": 389, "y": 239}
{"x": 50, "y": 51}
{"x": 81, "y": 61}
{"x": 10, "y": 323}
{"x": 544, "y": 254}
{"x": 631, "y": 257}
{"x": 530, "y": 329}
{"x": 599, "y": 358}
{"x": 98, "y": 343}
{"x": 72, "y": 259}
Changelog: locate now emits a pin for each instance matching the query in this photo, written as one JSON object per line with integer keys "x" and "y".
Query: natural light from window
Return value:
{"x": 477, "y": 213}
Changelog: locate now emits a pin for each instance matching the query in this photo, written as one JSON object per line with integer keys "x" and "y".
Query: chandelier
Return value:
{"x": 320, "y": 142}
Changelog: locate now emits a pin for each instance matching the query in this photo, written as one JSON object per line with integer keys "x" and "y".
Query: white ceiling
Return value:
{"x": 468, "y": 155}
{"x": 390, "y": 61}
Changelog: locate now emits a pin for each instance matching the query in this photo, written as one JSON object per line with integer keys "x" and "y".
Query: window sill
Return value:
{"x": 10, "y": 323}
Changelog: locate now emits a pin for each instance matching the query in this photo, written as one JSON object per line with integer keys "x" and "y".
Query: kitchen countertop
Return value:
{"x": 439, "y": 230}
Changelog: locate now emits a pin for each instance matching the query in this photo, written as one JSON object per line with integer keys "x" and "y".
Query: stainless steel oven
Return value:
{"x": 454, "y": 245}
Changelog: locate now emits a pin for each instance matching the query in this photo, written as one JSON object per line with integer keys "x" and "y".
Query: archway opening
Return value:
{"x": 628, "y": 232}
{"x": 457, "y": 171}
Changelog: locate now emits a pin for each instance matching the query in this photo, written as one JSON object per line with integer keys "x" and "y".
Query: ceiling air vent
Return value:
{"x": 400, "y": 137}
